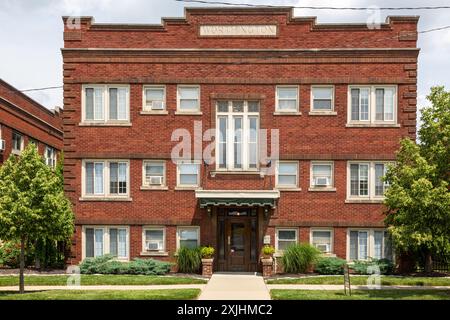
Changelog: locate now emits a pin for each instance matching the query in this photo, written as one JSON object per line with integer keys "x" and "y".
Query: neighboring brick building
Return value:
{"x": 23, "y": 121}
{"x": 341, "y": 96}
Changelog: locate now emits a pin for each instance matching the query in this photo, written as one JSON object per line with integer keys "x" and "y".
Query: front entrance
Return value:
{"x": 237, "y": 239}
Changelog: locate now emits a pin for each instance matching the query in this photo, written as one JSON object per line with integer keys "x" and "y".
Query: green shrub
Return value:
{"x": 299, "y": 258}
{"x": 268, "y": 250}
{"x": 107, "y": 264}
{"x": 189, "y": 260}
{"x": 10, "y": 254}
{"x": 330, "y": 265}
{"x": 360, "y": 267}
{"x": 207, "y": 252}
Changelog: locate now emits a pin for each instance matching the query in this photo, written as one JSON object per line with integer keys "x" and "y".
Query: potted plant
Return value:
{"x": 267, "y": 260}
{"x": 207, "y": 254}
{"x": 267, "y": 251}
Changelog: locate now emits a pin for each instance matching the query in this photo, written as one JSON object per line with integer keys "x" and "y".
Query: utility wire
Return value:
{"x": 315, "y": 8}
{"x": 40, "y": 89}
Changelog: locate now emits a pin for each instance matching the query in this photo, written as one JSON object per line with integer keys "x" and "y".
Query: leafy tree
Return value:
{"x": 32, "y": 203}
{"x": 418, "y": 199}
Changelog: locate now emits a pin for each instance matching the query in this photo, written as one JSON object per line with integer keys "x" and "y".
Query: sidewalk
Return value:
{"x": 111, "y": 287}
{"x": 234, "y": 286}
{"x": 354, "y": 287}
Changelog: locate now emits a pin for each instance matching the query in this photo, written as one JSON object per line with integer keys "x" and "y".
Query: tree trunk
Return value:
{"x": 22, "y": 266}
{"x": 428, "y": 263}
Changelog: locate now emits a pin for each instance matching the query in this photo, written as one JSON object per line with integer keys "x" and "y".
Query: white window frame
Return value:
{"x": 280, "y": 186}
{"x": 144, "y": 99}
{"x": 106, "y": 239}
{"x": 372, "y": 105}
{"x": 22, "y": 142}
{"x": 106, "y": 179}
{"x": 193, "y": 111}
{"x": 188, "y": 186}
{"x": 53, "y": 157}
{"x": 246, "y": 115}
{"x": 297, "y": 103}
{"x": 370, "y": 243}
{"x": 371, "y": 182}
{"x": 277, "y": 238}
{"x": 144, "y": 239}
{"x": 332, "y": 99}
{"x": 179, "y": 228}
{"x": 329, "y": 163}
{"x": 144, "y": 183}
{"x": 330, "y": 230}
{"x": 105, "y": 92}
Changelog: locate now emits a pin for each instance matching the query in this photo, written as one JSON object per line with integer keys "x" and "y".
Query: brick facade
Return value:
{"x": 303, "y": 53}
{"x": 19, "y": 113}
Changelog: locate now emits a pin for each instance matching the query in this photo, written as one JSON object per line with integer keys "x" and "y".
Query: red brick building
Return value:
{"x": 24, "y": 121}
{"x": 340, "y": 95}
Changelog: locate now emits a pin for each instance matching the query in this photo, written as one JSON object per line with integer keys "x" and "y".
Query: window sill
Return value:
{"x": 105, "y": 124}
{"x": 286, "y": 113}
{"x": 106, "y": 199}
{"x": 188, "y": 113}
{"x": 322, "y": 113}
{"x": 187, "y": 188}
{"x": 154, "y": 254}
{"x": 154, "y": 113}
{"x": 214, "y": 173}
{"x": 16, "y": 152}
{"x": 287, "y": 189}
{"x": 147, "y": 188}
{"x": 372, "y": 125}
{"x": 326, "y": 189}
{"x": 378, "y": 201}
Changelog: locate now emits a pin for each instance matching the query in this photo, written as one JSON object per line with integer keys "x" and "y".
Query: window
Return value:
{"x": 106, "y": 178}
{"x": 286, "y": 99}
{"x": 369, "y": 243}
{"x": 322, "y": 240}
{"x": 154, "y": 239}
{"x": 322, "y": 174}
{"x": 105, "y": 103}
{"x": 366, "y": 180}
{"x": 154, "y": 98}
{"x": 188, "y": 99}
{"x": 237, "y": 131}
{"x": 188, "y": 237}
{"x": 154, "y": 173}
{"x": 372, "y": 104}
{"x": 188, "y": 174}
{"x": 287, "y": 174}
{"x": 50, "y": 156}
{"x": 101, "y": 240}
{"x": 322, "y": 98}
{"x": 17, "y": 142}
{"x": 285, "y": 238}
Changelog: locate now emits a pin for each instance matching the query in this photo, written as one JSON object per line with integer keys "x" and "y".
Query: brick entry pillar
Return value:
{"x": 207, "y": 267}
{"x": 267, "y": 264}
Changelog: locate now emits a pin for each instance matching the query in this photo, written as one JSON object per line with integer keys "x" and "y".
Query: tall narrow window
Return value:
{"x": 17, "y": 142}
{"x": 380, "y": 185}
{"x": 359, "y": 245}
{"x": 378, "y": 239}
{"x": 50, "y": 156}
{"x": 94, "y": 104}
{"x": 223, "y": 141}
{"x": 237, "y": 155}
{"x": 359, "y": 177}
{"x": 118, "y": 178}
{"x": 98, "y": 242}
{"x": 253, "y": 142}
{"x": 117, "y": 103}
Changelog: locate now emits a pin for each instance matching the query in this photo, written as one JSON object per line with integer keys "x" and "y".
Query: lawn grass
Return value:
{"x": 169, "y": 294}
{"x": 89, "y": 280}
{"x": 277, "y": 294}
{"x": 362, "y": 280}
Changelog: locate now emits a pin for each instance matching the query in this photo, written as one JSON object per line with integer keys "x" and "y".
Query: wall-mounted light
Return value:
{"x": 208, "y": 211}
{"x": 266, "y": 212}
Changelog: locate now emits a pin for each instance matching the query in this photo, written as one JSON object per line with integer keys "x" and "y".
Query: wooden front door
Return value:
{"x": 238, "y": 244}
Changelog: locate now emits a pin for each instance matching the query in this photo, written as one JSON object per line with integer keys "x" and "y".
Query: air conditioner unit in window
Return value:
{"x": 157, "y": 105}
{"x": 155, "y": 180}
{"x": 322, "y": 181}
{"x": 154, "y": 246}
{"x": 2, "y": 145}
{"x": 323, "y": 247}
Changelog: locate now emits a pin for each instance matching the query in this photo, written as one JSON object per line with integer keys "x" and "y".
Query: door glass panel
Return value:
{"x": 253, "y": 241}
{"x": 222, "y": 240}
{"x": 237, "y": 237}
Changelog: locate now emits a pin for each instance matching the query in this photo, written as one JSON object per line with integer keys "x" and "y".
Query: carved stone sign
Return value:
{"x": 238, "y": 30}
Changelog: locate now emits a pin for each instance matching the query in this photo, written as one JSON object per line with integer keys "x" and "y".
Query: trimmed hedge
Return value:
{"x": 360, "y": 267}
{"x": 107, "y": 265}
{"x": 330, "y": 265}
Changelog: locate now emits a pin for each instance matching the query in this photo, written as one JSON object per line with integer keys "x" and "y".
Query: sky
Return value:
{"x": 32, "y": 35}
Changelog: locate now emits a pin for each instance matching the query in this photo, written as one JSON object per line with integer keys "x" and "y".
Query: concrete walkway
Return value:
{"x": 354, "y": 287}
{"x": 234, "y": 286}
{"x": 111, "y": 287}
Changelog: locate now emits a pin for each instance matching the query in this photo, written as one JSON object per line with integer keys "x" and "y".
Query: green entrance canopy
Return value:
{"x": 238, "y": 202}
